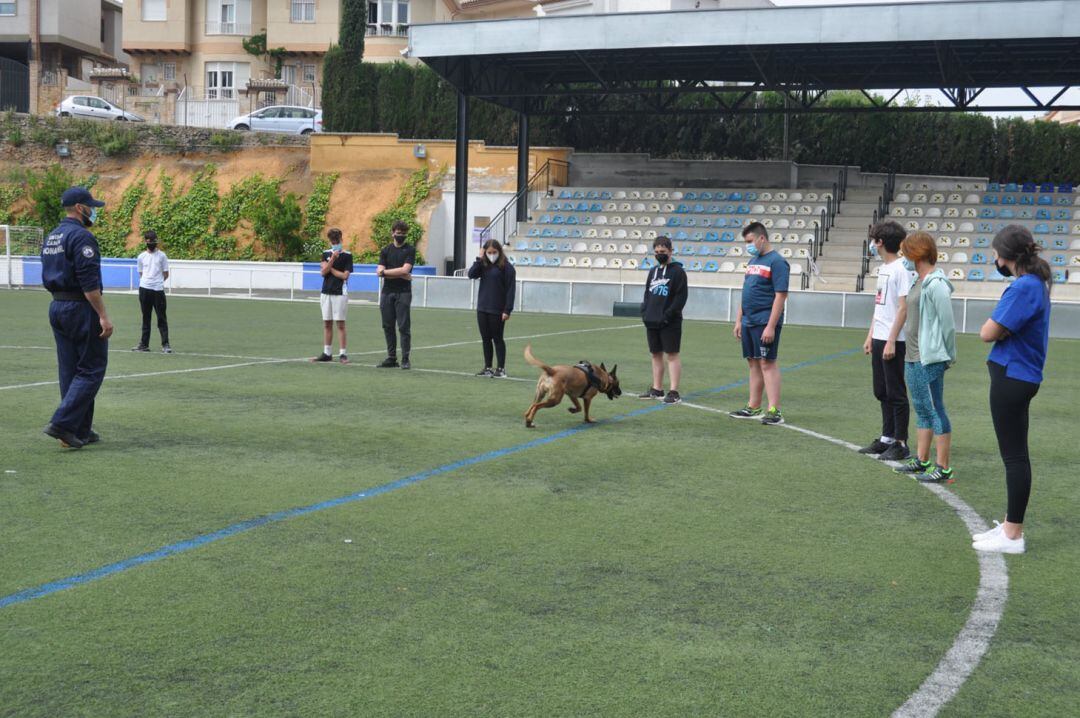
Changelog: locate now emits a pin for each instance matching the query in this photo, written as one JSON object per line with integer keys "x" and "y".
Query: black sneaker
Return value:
{"x": 405, "y": 364}
{"x": 387, "y": 363}
{"x": 651, "y": 394}
{"x": 500, "y": 374}
{"x": 897, "y": 452}
{"x": 772, "y": 416}
{"x": 140, "y": 348}
{"x": 92, "y": 438}
{"x": 343, "y": 358}
{"x": 323, "y": 357}
{"x": 914, "y": 465}
{"x": 673, "y": 398}
{"x": 877, "y": 446}
{"x": 486, "y": 371}
{"x": 65, "y": 437}
{"x": 937, "y": 475}
{"x": 166, "y": 349}
{"x": 747, "y": 412}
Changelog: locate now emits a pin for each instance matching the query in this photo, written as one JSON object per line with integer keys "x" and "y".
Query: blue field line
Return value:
{"x": 237, "y": 528}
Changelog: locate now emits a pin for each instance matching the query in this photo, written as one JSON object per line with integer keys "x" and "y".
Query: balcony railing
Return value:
{"x": 228, "y": 28}
{"x": 387, "y": 31}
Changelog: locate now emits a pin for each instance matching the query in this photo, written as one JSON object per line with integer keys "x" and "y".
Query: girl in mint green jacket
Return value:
{"x": 931, "y": 350}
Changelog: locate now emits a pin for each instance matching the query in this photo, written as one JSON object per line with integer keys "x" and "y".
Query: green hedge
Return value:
{"x": 415, "y": 103}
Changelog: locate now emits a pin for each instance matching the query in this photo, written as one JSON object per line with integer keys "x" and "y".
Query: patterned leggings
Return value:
{"x": 926, "y": 383}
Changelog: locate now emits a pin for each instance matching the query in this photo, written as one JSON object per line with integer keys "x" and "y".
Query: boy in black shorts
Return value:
{"x": 661, "y": 311}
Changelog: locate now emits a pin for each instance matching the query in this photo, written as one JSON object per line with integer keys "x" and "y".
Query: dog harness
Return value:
{"x": 590, "y": 377}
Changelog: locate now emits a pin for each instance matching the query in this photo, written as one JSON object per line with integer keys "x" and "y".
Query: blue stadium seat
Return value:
{"x": 596, "y": 207}
{"x": 689, "y": 196}
{"x": 728, "y": 209}
{"x": 695, "y": 266}
{"x": 571, "y": 220}
{"x": 1044, "y": 199}
{"x": 989, "y": 199}
{"x": 537, "y": 246}
{"x": 522, "y": 246}
{"x": 743, "y": 209}
{"x": 647, "y": 263}
{"x": 1066, "y": 188}
{"x": 1042, "y": 228}
{"x": 699, "y": 209}
{"x": 545, "y": 219}
{"x": 681, "y": 236}
{"x": 687, "y": 250}
{"x": 562, "y": 233}
{"x": 978, "y": 258}
{"x": 1011, "y": 187}
{"x": 1060, "y": 277}
{"x": 751, "y": 196}
{"x": 993, "y": 187}
{"x": 720, "y": 196}
{"x": 1041, "y": 242}
{"x": 720, "y": 252}
{"x": 1047, "y": 187}
{"x": 1007, "y": 214}
{"x": 976, "y": 275}
{"x": 523, "y": 262}
{"x": 704, "y": 251}
{"x": 540, "y": 261}
{"x": 705, "y": 196}
{"x": 682, "y": 209}
{"x": 565, "y": 194}
{"x": 1042, "y": 214}
{"x": 987, "y": 213}
{"x": 982, "y": 242}
{"x": 554, "y": 262}
{"x": 534, "y": 232}
{"x": 553, "y": 206}
{"x": 735, "y": 196}
{"x": 1064, "y": 201}
{"x": 1008, "y": 199}
{"x": 592, "y": 194}
{"x": 1028, "y": 187}
{"x": 690, "y": 222}
{"x": 986, "y": 228}
{"x": 605, "y": 195}
{"x": 712, "y": 266}
{"x": 581, "y": 207}
{"x": 1061, "y": 244}
{"x": 566, "y": 247}
{"x": 727, "y": 237}
{"x": 1027, "y": 199}
{"x": 720, "y": 222}
{"x": 1060, "y": 228}
{"x": 712, "y": 237}
{"x": 1062, "y": 214}
{"x": 558, "y": 219}
{"x": 674, "y": 222}
{"x": 706, "y": 222}
{"x": 579, "y": 195}
{"x": 1058, "y": 260}
{"x": 575, "y": 234}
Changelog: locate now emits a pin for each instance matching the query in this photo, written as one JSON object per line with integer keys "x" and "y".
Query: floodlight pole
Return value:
{"x": 461, "y": 182}
{"x": 523, "y": 168}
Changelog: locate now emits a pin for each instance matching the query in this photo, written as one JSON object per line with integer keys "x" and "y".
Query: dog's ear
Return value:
{"x": 602, "y": 367}
{"x": 614, "y": 369}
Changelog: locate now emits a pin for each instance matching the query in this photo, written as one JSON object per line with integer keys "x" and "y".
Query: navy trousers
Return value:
{"x": 81, "y": 355}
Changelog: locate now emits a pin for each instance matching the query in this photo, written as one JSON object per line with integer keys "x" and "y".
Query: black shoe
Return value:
{"x": 140, "y": 348}
{"x": 405, "y": 364}
{"x": 343, "y": 358}
{"x": 166, "y": 349}
{"x": 897, "y": 452}
{"x": 486, "y": 372}
{"x": 387, "y": 363}
{"x": 651, "y": 394}
{"x": 323, "y": 357}
{"x": 500, "y": 373}
{"x": 673, "y": 398}
{"x": 771, "y": 417}
{"x": 747, "y": 412}
{"x": 66, "y": 438}
{"x": 936, "y": 475}
{"x": 877, "y": 446}
{"x": 914, "y": 466}
{"x": 92, "y": 438}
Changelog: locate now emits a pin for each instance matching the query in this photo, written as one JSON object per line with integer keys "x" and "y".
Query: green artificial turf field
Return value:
{"x": 672, "y": 562}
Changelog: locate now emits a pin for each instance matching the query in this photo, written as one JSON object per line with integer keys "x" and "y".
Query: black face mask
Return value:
{"x": 662, "y": 258}
{"x": 1003, "y": 270}
{"x": 151, "y": 248}
{"x": 399, "y": 239}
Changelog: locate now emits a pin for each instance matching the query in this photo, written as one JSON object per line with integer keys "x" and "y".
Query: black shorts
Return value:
{"x": 665, "y": 339}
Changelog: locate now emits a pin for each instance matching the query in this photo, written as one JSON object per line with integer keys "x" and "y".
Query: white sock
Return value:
{"x": 887, "y": 440}
{"x": 328, "y": 350}
{"x": 342, "y": 352}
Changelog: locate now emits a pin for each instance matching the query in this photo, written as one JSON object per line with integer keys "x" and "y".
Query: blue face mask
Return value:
{"x": 873, "y": 250}
{"x": 752, "y": 250}
{"x": 90, "y": 219}
{"x": 909, "y": 265}
{"x": 335, "y": 247}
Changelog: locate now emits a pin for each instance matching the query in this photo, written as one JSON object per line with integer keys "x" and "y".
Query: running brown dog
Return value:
{"x": 583, "y": 382}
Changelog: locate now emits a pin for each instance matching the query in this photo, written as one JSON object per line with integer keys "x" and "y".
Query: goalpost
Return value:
{"x": 20, "y": 243}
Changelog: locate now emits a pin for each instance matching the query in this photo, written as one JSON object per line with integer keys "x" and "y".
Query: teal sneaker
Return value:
{"x": 914, "y": 465}
{"x": 772, "y": 416}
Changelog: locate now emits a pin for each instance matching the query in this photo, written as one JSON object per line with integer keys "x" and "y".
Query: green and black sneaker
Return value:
{"x": 937, "y": 475}
{"x": 914, "y": 465}
{"x": 747, "y": 412}
{"x": 772, "y": 416}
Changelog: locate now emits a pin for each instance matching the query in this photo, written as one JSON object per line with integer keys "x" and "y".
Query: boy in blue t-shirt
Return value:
{"x": 760, "y": 319}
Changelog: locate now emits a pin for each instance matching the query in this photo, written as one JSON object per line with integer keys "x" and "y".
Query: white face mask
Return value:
{"x": 493, "y": 257}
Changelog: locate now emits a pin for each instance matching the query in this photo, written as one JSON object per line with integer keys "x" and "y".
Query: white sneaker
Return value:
{"x": 1000, "y": 543}
{"x": 998, "y": 528}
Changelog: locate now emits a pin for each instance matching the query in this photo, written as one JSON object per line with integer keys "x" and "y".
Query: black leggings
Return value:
{"x": 1009, "y": 403}
{"x": 491, "y": 332}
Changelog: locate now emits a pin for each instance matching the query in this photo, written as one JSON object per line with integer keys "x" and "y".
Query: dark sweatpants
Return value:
{"x": 152, "y": 300}
{"x": 395, "y": 310}
{"x": 491, "y": 334}
{"x": 1010, "y": 400}
{"x": 890, "y": 390}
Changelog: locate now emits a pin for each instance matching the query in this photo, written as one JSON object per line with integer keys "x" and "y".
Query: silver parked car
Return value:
{"x": 281, "y": 118}
{"x": 94, "y": 108}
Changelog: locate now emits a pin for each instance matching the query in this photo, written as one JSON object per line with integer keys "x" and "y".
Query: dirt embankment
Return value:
{"x": 356, "y": 198}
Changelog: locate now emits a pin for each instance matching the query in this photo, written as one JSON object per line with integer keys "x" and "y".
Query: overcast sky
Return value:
{"x": 989, "y": 97}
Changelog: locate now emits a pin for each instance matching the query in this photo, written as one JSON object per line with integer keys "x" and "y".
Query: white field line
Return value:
{"x": 155, "y": 373}
{"x": 974, "y": 638}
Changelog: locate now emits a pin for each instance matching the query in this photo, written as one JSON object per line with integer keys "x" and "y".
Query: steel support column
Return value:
{"x": 523, "y": 167}
{"x": 461, "y": 183}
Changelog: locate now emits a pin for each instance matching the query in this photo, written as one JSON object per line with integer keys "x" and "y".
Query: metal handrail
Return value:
{"x": 501, "y": 225}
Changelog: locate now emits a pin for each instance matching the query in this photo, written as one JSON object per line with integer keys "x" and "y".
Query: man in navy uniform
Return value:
{"x": 71, "y": 271}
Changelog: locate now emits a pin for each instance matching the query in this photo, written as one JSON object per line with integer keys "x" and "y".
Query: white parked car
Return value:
{"x": 94, "y": 107}
{"x": 281, "y": 118}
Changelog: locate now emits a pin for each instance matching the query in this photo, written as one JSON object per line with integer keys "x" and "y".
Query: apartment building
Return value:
{"x": 43, "y": 42}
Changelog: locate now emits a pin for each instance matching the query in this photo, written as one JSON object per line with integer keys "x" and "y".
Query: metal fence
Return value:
{"x": 18, "y": 242}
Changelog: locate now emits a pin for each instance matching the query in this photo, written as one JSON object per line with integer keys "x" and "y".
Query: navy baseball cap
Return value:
{"x": 79, "y": 195}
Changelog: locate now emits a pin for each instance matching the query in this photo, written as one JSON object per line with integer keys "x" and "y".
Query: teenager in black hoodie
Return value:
{"x": 494, "y": 302}
{"x": 661, "y": 311}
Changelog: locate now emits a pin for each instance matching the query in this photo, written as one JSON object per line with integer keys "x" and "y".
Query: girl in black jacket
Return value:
{"x": 494, "y": 303}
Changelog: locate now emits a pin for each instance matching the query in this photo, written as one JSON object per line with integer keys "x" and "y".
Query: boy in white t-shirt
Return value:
{"x": 885, "y": 343}
{"x": 153, "y": 268}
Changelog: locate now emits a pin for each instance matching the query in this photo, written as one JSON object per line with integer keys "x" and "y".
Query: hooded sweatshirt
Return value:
{"x": 665, "y": 295}
{"x": 937, "y": 326}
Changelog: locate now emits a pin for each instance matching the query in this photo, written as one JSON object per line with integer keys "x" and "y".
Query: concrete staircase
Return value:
{"x": 841, "y": 258}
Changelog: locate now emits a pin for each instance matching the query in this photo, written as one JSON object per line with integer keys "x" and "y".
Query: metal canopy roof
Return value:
{"x": 572, "y": 64}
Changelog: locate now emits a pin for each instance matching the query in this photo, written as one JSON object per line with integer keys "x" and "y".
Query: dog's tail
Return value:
{"x": 536, "y": 362}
